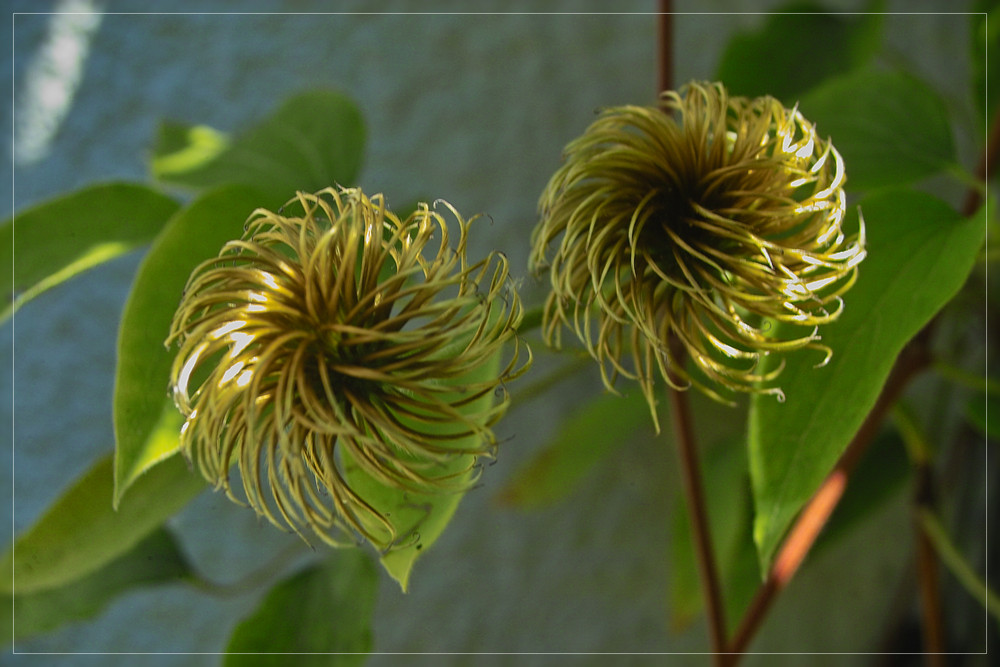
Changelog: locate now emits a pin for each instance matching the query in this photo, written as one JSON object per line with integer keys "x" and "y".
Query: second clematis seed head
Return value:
{"x": 335, "y": 331}
{"x": 690, "y": 230}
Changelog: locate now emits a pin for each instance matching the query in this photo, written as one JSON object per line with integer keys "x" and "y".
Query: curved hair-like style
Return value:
{"x": 691, "y": 230}
{"x": 336, "y": 334}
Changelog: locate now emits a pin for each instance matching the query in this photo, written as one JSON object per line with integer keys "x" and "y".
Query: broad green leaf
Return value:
{"x": 985, "y": 32}
{"x": 322, "y": 614}
{"x": 81, "y": 532}
{"x": 155, "y": 560}
{"x": 184, "y": 149}
{"x": 146, "y": 424}
{"x": 920, "y": 253}
{"x": 784, "y": 58}
{"x": 419, "y": 518}
{"x": 313, "y": 141}
{"x": 890, "y": 128}
{"x": 587, "y": 437}
{"x": 63, "y": 237}
{"x": 879, "y": 476}
{"x": 727, "y": 495}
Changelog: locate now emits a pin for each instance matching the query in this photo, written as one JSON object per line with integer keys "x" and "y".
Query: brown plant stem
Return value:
{"x": 926, "y": 556}
{"x": 989, "y": 159}
{"x": 665, "y": 44}
{"x": 928, "y": 569}
{"x": 914, "y": 358}
{"x": 687, "y": 449}
{"x": 694, "y": 496}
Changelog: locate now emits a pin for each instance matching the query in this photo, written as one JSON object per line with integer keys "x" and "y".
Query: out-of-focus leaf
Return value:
{"x": 81, "y": 532}
{"x": 589, "y": 435}
{"x": 323, "y": 615}
{"x": 155, "y": 560}
{"x": 184, "y": 149}
{"x": 314, "y": 140}
{"x": 63, "y": 237}
{"x": 890, "y": 128}
{"x": 977, "y": 409}
{"x": 797, "y": 48}
{"x": 147, "y": 426}
{"x": 920, "y": 253}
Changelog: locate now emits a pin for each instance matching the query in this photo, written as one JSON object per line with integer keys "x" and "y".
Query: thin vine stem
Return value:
{"x": 694, "y": 496}
{"x": 928, "y": 567}
{"x": 912, "y": 361}
{"x": 687, "y": 449}
{"x": 540, "y": 387}
{"x": 974, "y": 196}
{"x": 928, "y": 572}
{"x": 252, "y": 580}
{"x": 665, "y": 44}
{"x": 957, "y": 564}
{"x": 966, "y": 379}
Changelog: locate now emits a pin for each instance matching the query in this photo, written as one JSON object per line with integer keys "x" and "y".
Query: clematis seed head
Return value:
{"x": 336, "y": 331}
{"x": 689, "y": 230}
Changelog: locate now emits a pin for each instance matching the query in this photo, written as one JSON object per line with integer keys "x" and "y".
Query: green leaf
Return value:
{"x": 157, "y": 559}
{"x": 783, "y": 57}
{"x": 920, "y": 253}
{"x": 81, "y": 532}
{"x": 146, "y": 424}
{"x": 419, "y": 518}
{"x": 322, "y": 614}
{"x": 585, "y": 439}
{"x": 63, "y": 237}
{"x": 313, "y": 141}
{"x": 181, "y": 150}
{"x": 890, "y": 127}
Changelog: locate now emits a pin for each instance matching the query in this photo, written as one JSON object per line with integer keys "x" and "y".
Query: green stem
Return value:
{"x": 990, "y": 255}
{"x": 918, "y": 447}
{"x": 966, "y": 178}
{"x": 251, "y": 580}
{"x": 567, "y": 370}
{"x": 957, "y": 564}
{"x": 965, "y": 378}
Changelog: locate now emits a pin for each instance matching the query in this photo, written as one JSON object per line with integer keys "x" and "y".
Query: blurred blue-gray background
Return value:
{"x": 471, "y": 108}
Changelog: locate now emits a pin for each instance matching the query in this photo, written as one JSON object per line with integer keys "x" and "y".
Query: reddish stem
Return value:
{"x": 914, "y": 358}
{"x": 927, "y": 572}
{"x": 694, "y": 496}
{"x": 988, "y": 161}
{"x": 665, "y": 56}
